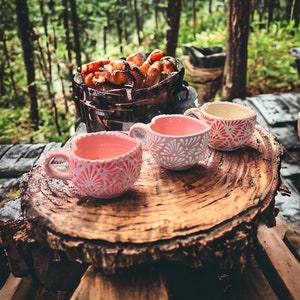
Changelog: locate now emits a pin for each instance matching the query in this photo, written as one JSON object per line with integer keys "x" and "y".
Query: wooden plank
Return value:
{"x": 4, "y": 148}
{"x": 293, "y": 100}
{"x": 289, "y": 168}
{"x": 292, "y": 240}
{"x": 281, "y": 227}
{"x": 146, "y": 284}
{"x": 278, "y": 115}
{"x": 19, "y": 159}
{"x": 252, "y": 284}
{"x": 287, "y": 135}
{"x": 16, "y": 288}
{"x": 214, "y": 283}
{"x": 11, "y": 285}
{"x": 274, "y": 109}
{"x": 288, "y": 206}
{"x": 284, "y": 264}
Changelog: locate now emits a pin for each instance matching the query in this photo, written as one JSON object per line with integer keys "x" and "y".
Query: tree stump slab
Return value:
{"x": 208, "y": 214}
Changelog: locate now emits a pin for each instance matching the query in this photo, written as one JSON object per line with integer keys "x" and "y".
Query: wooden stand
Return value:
{"x": 208, "y": 214}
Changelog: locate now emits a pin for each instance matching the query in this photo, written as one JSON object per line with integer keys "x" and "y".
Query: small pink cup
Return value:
{"x": 101, "y": 164}
{"x": 176, "y": 142}
{"x": 232, "y": 124}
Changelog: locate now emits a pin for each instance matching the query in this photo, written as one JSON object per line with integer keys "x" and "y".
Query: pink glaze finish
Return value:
{"x": 176, "y": 142}
{"x": 232, "y": 124}
{"x": 101, "y": 164}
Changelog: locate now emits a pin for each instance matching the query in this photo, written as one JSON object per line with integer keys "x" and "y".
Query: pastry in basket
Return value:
{"x": 112, "y": 94}
{"x": 137, "y": 70}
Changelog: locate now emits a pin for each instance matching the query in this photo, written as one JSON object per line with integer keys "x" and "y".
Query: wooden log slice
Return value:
{"x": 206, "y": 214}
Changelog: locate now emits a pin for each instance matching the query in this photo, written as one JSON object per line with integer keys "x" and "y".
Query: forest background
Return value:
{"x": 63, "y": 34}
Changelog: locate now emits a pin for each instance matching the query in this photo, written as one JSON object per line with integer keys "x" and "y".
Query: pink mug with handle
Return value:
{"x": 232, "y": 124}
{"x": 176, "y": 142}
{"x": 102, "y": 164}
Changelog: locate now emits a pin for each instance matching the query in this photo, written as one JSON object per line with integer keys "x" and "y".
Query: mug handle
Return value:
{"x": 193, "y": 112}
{"x": 139, "y": 131}
{"x": 48, "y": 167}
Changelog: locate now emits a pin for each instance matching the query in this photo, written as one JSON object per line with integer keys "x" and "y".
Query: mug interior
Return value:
{"x": 228, "y": 110}
{"x": 104, "y": 146}
{"x": 177, "y": 125}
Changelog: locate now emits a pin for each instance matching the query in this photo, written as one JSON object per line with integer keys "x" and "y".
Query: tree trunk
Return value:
{"x": 210, "y": 6}
{"x": 234, "y": 84}
{"x": 137, "y": 22}
{"x": 105, "y": 28}
{"x": 27, "y": 35}
{"x": 126, "y": 33}
{"x": 75, "y": 21}
{"x": 156, "y": 9}
{"x": 46, "y": 64}
{"x": 120, "y": 25}
{"x": 270, "y": 4}
{"x": 194, "y": 18}
{"x": 67, "y": 33}
{"x": 173, "y": 19}
{"x": 206, "y": 214}
{"x": 293, "y": 11}
{"x": 5, "y": 64}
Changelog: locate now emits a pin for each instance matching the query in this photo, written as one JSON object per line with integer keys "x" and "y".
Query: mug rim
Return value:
{"x": 252, "y": 113}
{"x": 73, "y": 146}
{"x": 206, "y": 129}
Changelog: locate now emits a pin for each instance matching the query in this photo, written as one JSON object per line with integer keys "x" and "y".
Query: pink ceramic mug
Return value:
{"x": 101, "y": 164}
{"x": 232, "y": 124}
{"x": 176, "y": 142}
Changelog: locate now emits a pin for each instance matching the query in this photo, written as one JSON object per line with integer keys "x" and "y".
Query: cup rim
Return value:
{"x": 252, "y": 113}
{"x": 73, "y": 146}
{"x": 206, "y": 126}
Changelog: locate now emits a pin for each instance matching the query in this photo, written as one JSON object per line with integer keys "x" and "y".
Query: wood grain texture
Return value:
{"x": 203, "y": 214}
{"x": 284, "y": 264}
{"x": 138, "y": 284}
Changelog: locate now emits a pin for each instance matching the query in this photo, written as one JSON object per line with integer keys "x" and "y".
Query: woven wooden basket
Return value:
{"x": 112, "y": 110}
{"x": 206, "y": 81}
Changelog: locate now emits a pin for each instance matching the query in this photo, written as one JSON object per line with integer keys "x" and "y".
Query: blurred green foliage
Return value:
{"x": 271, "y": 69}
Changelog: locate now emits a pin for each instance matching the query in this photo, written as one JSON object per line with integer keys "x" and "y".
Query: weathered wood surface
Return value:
{"x": 178, "y": 281}
{"x": 278, "y": 114}
{"x": 285, "y": 268}
{"x": 18, "y": 159}
{"x": 139, "y": 283}
{"x": 25, "y": 288}
{"x": 175, "y": 282}
{"x": 16, "y": 288}
{"x": 277, "y": 108}
{"x": 206, "y": 214}
{"x": 292, "y": 240}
